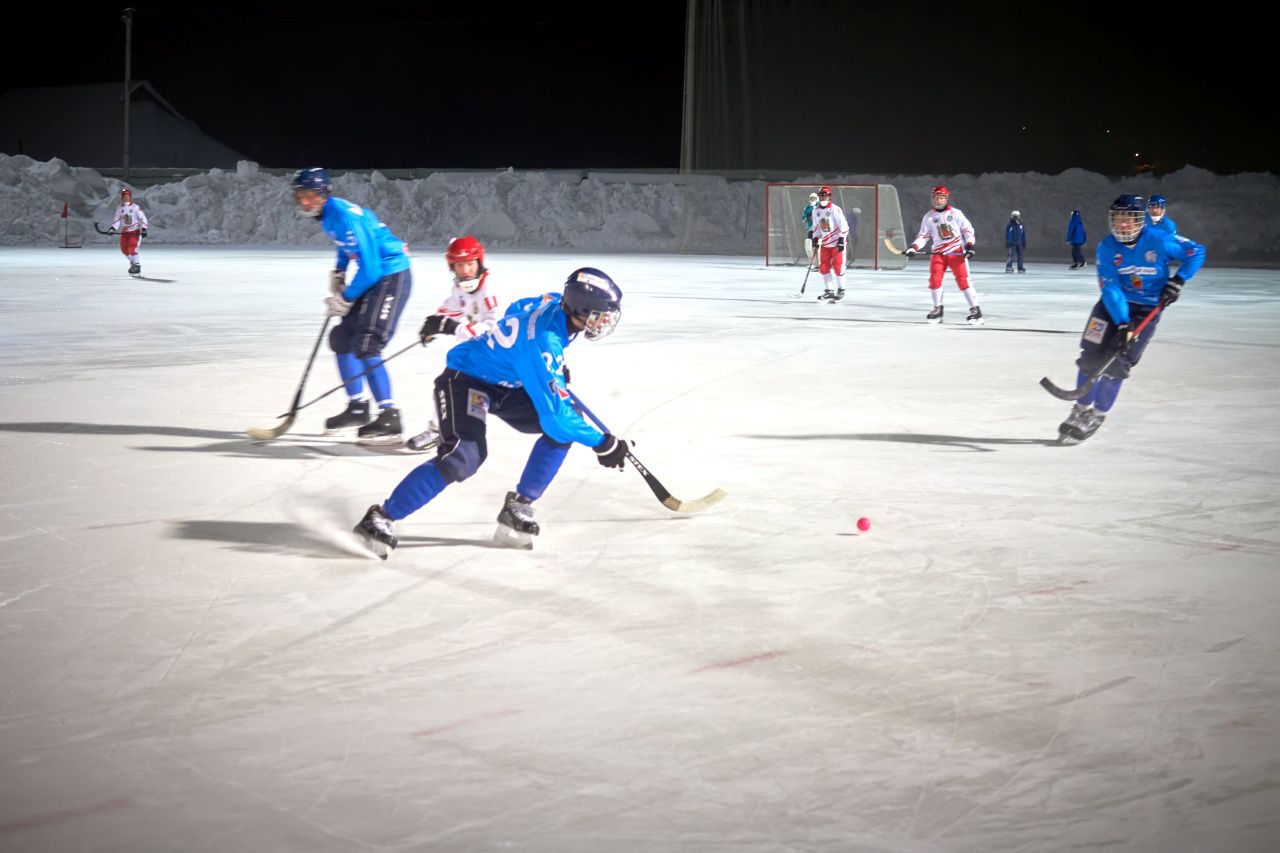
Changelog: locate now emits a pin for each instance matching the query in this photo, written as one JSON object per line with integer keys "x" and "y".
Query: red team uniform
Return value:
{"x": 830, "y": 230}
{"x": 131, "y": 224}
{"x": 951, "y": 234}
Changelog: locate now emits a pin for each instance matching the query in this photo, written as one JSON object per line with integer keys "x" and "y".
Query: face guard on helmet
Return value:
{"x": 126, "y": 196}
{"x": 941, "y": 197}
{"x": 1155, "y": 207}
{"x": 310, "y": 191}
{"x": 813, "y": 198}
{"x": 592, "y": 298}
{"x": 824, "y": 196}
{"x": 1127, "y": 218}
{"x": 465, "y": 257}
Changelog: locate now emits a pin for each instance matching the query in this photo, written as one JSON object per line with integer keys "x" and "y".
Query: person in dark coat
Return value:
{"x": 1015, "y": 240}
{"x": 1075, "y": 236}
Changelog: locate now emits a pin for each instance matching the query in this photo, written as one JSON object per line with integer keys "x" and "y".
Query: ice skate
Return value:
{"x": 135, "y": 269}
{"x": 975, "y": 317}
{"x": 934, "y": 316}
{"x": 425, "y": 440}
{"x": 1068, "y": 429}
{"x": 827, "y": 296}
{"x": 516, "y": 527}
{"x": 838, "y": 295}
{"x": 384, "y": 430}
{"x": 1093, "y": 419}
{"x": 1080, "y": 424}
{"x": 1008, "y": 270}
{"x": 355, "y": 415}
{"x": 377, "y": 531}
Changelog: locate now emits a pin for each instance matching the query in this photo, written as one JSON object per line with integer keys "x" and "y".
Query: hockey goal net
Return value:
{"x": 872, "y": 210}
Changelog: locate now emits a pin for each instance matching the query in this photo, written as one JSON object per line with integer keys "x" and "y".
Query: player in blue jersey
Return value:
{"x": 1133, "y": 272}
{"x": 514, "y": 372}
{"x": 1157, "y": 217}
{"x": 369, "y": 305}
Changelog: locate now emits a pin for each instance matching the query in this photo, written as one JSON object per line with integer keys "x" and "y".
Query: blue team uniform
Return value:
{"x": 807, "y": 217}
{"x": 514, "y": 372}
{"x": 1166, "y": 224}
{"x": 1132, "y": 279}
{"x": 360, "y": 237}
{"x": 379, "y": 291}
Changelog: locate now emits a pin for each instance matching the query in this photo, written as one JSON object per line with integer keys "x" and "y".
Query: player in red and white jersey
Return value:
{"x": 471, "y": 309}
{"x": 131, "y": 224}
{"x": 830, "y": 228}
{"x": 951, "y": 234}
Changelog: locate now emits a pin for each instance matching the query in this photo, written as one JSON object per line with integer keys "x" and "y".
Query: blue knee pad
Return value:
{"x": 461, "y": 461}
{"x": 544, "y": 462}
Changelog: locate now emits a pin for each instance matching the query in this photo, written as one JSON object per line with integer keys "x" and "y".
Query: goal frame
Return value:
{"x": 878, "y": 258}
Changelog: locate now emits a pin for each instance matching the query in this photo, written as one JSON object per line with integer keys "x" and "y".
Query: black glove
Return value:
{"x": 437, "y": 324}
{"x": 1124, "y": 336}
{"x": 565, "y": 370}
{"x": 810, "y": 233}
{"x": 612, "y": 451}
{"x": 144, "y": 232}
{"x": 968, "y": 250}
{"x": 840, "y": 244}
{"x": 910, "y": 252}
{"x": 1172, "y": 290}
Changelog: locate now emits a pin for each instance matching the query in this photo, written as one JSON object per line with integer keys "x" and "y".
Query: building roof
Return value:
{"x": 84, "y": 126}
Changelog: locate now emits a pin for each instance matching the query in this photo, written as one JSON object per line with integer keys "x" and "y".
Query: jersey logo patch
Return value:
{"x": 562, "y": 393}
{"x": 1117, "y": 260}
{"x": 477, "y": 403}
{"x": 1094, "y": 332}
{"x": 1151, "y": 257}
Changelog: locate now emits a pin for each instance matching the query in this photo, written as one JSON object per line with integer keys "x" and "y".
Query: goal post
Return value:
{"x": 872, "y": 210}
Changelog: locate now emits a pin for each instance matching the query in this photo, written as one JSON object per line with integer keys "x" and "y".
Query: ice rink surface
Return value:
{"x": 1034, "y": 648}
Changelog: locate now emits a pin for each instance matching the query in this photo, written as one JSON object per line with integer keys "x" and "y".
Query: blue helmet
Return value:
{"x": 313, "y": 180}
{"x": 1128, "y": 216}
{"x": 1155, "y": 207}
{"x": 592, "y": 297}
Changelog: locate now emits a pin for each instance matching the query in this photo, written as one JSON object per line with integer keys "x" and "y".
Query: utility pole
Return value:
{"x": 128, "y": 69}
{"x": 686, "y": 134}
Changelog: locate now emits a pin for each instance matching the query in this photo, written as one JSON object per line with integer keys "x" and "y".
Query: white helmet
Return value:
{"x": 1015, "y": 213}
{"x": 813, "y": 198}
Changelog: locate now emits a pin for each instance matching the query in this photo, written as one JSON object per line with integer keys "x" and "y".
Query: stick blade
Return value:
{"x": 892, "y": 248}
{"x": 676, "y": 505}
{"x": 1063, "y": 393}
{"x": 260, "y": 434}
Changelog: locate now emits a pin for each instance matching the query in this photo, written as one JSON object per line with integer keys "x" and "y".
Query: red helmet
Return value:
{"x": 824, "y": 191}
{"x": 940, "y": 190}
{"x": 466, "y": 248}
{"x": 126, "y": 194}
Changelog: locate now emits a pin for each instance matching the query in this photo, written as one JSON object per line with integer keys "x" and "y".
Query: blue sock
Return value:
{"x": 379, "y": 381}
{"x": 544, "y": 462}
{"x": 1087, "y": 399}
{"x": 350, "y": 368}
{"x": 415, "y": 491}
{"x": 1107, "y": 389}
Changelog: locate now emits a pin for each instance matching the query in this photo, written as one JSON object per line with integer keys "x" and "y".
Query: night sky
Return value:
{"x": 784, "y": 84}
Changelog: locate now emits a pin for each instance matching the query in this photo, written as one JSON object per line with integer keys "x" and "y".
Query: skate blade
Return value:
{"x": 510, "y": 538}
{"x": 937, "y": 322}
{"x": 370, "y": 546}
{"x": 423, "y": 447}
{"x": 978, "y": 322}
{"x": 380, "y": 440}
